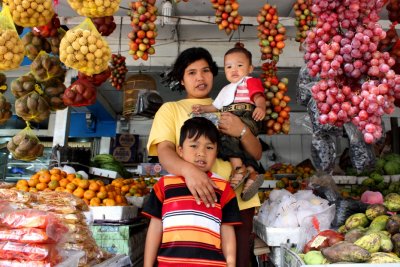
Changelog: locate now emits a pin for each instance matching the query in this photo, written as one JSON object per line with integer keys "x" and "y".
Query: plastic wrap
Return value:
{"x": 312, "y": 110}
{"x": 323, "y": 152}
{"x": 61, "y": 199}
{"x": 324, "y": 186}
{"x": 20, "y": 251}
{"x": 303, "y": 85}
{"x": 9, "y": 195}
{"x": 27, "y": 235}
{"x": 362, "y": 155}
{"x": 33, "y": 218}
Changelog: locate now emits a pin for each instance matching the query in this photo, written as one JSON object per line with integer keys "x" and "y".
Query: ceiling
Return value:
{"x": 196, "y": 27}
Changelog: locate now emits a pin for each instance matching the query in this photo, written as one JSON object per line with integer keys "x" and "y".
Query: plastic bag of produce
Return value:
{"x": 32, "y": 107}
{"x": 34, "y": 44}
{"x": 53, "y": 92}
{"x": 323, "y": 152}
{"x": 29, "y": 235}
{"x": 46, "y": 67}
{"x": 32, "y": 252}
{"x": 15, "y": 196}
{"x": 303, "y": 85}
{"x": 96, "y": 79}
{"x": 312, "y": 110}
{"x": 362, "y": 155}
{"x": 11, "y": 48}
{"x": 5, "y": 109}
{"x": 84, "y": 49}
{"x": 95, "y": 8}
{"x": 105, "y": 25}
{"x": 25, "y": 145}
{"x": 30, "y": 13}
{"x": 23, "y": 85}
{"x": 60, "y": 199}
{"x": 80, "y": 93}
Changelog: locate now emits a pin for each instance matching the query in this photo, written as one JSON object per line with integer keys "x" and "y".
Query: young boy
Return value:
{"x": 181, "y": 232}
{"x": 244, "y": 96}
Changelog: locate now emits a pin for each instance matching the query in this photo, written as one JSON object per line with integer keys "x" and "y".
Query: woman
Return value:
{"x": 195, "y": 70}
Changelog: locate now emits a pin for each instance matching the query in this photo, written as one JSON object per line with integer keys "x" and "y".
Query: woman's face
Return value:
{"x": 198, "y": 79}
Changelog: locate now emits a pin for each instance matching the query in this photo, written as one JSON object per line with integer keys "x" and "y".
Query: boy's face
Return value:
{"x": 236, "y": 66}
{"x": 201, "y": 152}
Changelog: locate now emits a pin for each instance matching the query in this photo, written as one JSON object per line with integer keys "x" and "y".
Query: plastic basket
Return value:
{"x": 289, "y": 258}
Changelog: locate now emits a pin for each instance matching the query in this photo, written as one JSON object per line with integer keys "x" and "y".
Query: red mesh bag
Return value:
{"x": 80, "y": 93}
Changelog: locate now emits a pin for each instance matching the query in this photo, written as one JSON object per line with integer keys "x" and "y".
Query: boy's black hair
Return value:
{"x": 197, "y": 127}
{"x": 240, "y": 49}
{"x": 186, "y": 58}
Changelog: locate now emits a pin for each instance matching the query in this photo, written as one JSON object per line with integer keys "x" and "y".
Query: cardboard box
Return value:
{"x": 121, "y": 239}
{"x": 113, "y": 213}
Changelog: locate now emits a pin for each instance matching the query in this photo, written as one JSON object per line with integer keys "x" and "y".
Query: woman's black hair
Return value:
{"x": 197, "y": 127}
{"x": 186, "y": 58}
{"x": 240, "y": 49}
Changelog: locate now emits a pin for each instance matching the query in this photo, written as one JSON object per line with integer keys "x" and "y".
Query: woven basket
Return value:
{"x": 132, "y": 87}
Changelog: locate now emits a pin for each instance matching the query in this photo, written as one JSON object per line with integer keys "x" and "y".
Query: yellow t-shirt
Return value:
{"x": 166, "y": 127}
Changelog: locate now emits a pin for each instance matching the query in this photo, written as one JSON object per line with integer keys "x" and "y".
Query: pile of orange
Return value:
{"x": 93, "y": 192}
{"x": 131, "y": 187}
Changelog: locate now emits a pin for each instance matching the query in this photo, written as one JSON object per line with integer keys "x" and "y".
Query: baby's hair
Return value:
{"x": 239, "y": 48}
{"x": 197, "y": 127}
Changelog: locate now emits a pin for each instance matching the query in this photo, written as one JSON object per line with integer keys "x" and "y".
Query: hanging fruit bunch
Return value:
{"x": 95, "y": 8}
{"x": 271, "y": 33}
{"x": 304, "y": 20}
{"x": 391, "y": 44}
{"x": 144, "y": 30}
{"x": 105, "y": 25}
{"x": 393, "y": 8}
{"x": 357, "y": 84}
{"x": 118, "y": 71}
{"x": 30, "y": 13}
{"x": 277, "y": 114}
{"x": 227, "y": 15}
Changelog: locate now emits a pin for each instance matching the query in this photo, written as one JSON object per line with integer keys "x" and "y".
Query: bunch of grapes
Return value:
{"x": 357, "y": 82}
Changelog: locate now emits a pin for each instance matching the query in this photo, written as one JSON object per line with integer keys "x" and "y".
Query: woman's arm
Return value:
{"x": 228, "y": 244}
{"x": 153, "y": 241}
{"x": 199, "y": 184}
{"x": 231, "y": 124}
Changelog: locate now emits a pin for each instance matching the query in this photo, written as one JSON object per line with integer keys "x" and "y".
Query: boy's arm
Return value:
{"x": 261, "y": 106}
{"x": 198, "y": 109}
{"x": 153, "y": 241}
{"x": 229, "y": 244}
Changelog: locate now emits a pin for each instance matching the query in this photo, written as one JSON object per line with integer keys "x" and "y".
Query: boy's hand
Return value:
{"x": 197, "y": 109}
{"x": 258, "y": 114}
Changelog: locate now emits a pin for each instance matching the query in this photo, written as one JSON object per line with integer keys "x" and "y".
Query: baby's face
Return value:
{"x": 236, "y": 66}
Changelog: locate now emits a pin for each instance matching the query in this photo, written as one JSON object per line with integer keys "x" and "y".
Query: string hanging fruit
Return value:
{"x": 271, "y": 33}
{"x": 277, "y": 114}
{"x": 304, "y": 18}
{"x": 144, "y": 30}
{"x": 227, "y": 15}
{"x": 118, "y": 71}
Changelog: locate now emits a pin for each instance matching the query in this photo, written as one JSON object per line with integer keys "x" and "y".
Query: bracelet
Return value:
{"x": 243, "y": 132}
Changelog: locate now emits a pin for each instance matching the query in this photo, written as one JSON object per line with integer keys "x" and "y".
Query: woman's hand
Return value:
{"x": 200, "y": 185}
{"x": 230, "y": 124}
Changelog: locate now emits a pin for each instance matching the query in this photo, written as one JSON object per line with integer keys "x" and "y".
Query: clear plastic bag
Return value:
{"x": 362, "y": 155}
{"x": 323, "y": 152}
{"x": 303, "y": 84}
{"x": 32, "y": 107}
{"x": 84, "y": 49}
{"x": 21, "y": 251}
{"x": 11, "y": 48}
{"x": 95, "y": 9}
{"x": 312, "y": 110}
{"x": 29, "y": 16}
